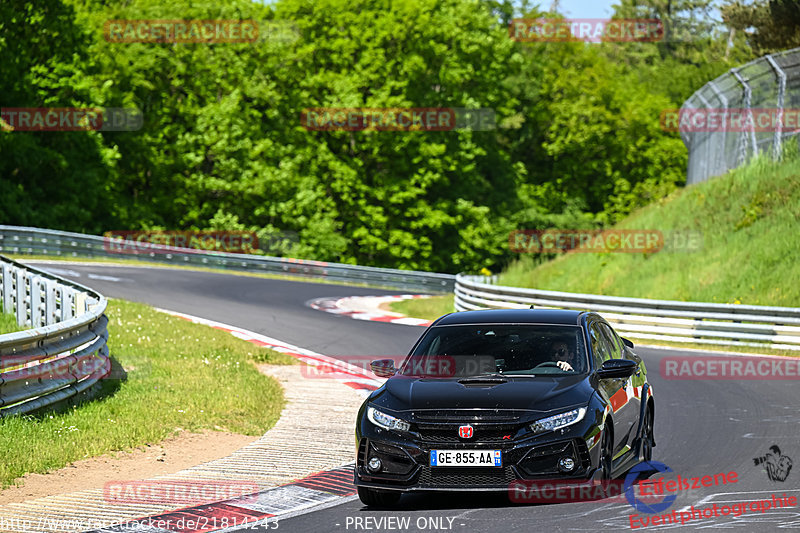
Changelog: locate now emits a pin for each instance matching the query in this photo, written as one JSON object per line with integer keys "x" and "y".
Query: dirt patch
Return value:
{"x": 175, "y": 453}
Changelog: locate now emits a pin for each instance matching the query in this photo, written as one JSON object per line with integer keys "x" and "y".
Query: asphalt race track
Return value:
{"x": 702, "y": 427}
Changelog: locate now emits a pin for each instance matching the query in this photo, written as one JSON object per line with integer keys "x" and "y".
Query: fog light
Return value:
{"x": 374, "y": 464}
{"x": 566, "y": 464}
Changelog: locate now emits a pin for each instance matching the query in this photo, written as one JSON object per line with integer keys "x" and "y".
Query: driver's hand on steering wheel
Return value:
{"x": 563, "y": 365}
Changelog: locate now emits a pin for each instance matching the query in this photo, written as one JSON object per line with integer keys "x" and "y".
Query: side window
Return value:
{"x": 600, "y": 349}
{"x": 613, "y": 342}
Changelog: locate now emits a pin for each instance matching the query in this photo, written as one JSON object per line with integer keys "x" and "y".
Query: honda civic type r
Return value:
{"x": 487, "y": 398}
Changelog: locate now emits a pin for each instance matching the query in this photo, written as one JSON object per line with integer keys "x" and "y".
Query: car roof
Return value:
{"x": 513, "y": 316}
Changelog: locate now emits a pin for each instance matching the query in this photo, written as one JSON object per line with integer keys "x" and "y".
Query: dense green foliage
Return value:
{"x": 578, "y": 143}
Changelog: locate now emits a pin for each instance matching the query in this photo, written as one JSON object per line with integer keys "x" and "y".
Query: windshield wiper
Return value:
{"x": 485, "y": 378}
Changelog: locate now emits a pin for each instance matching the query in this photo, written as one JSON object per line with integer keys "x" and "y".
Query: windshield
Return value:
{"x": 491, "y": 350}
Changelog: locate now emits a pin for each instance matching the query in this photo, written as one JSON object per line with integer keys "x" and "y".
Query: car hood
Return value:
{"x": 531, "y": 394}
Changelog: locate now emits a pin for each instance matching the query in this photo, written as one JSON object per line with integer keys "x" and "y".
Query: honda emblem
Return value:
{"x": 465, "y": 432}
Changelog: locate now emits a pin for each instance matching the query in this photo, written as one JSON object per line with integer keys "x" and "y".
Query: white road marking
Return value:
{"x": 63, "y": 272}
{"x": 106, "y": 278}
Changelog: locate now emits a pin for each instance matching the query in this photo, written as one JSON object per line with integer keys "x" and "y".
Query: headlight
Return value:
{"x": 386, "y": 421}
{"x": 558, "y": 421}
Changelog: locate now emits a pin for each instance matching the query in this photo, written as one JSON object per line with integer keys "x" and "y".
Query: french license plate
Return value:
{"x": 466, "y": 458}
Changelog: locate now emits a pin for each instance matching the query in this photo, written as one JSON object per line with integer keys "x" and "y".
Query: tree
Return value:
{"x": 770, "y": 26}
{"x": 50, "y": 179}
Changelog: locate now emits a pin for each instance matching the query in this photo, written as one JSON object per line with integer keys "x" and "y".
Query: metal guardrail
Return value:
{"x": 638, "y": 318}
{"x": 772, "y": 82}
{"x": 693, "y": 322}
{"x": 24, "y": 240}
{"x": 64, "y": 351}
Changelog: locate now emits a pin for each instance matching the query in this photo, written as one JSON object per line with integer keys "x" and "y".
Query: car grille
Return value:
{"x": 465, "y": 477}
{"x": 449, "y": 435}
{"x": 467, "y": 415}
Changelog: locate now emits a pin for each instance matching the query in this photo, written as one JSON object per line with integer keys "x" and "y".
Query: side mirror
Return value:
{"x": 627, "y": 343}
{"x": 383, "y": 368}
{"x": 617, "y": 368}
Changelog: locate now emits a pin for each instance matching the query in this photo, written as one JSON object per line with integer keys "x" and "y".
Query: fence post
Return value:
{"x": 776, "y": 143}
{"x": 724, "y": 101}
{"x": 709, "y": 139}
{"x": 748, "y": 94}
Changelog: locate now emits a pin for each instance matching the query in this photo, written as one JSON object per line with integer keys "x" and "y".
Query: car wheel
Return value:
{"x": 606, "y": 453}
{"x": 647, "y": 436}
{"x": 377, "y": 498}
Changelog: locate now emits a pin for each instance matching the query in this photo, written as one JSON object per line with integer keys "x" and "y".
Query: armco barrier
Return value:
{"x": 64, "y": 351}
{"x": 644, "y": 319}
{"x": 638, "y": 318}
{"x": 23, "y": 240}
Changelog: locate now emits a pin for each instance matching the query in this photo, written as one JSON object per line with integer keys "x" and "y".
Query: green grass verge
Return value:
{"x": 750, "y": 253}
{"x": 180, "y": 376}
{"x": 425, "y": 308}
{"x": 8, "y": 323}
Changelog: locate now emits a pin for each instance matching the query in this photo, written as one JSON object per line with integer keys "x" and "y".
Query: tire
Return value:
{"x": 648, "y": 438}
{"x": 378, "y": 498}
{"x": 606, "y": 453}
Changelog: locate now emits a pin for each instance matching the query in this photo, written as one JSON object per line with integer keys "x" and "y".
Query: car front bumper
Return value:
{"x": 405, "y": 464}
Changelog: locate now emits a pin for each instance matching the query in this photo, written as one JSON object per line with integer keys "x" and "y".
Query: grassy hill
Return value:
{"x": 750, "y": 253}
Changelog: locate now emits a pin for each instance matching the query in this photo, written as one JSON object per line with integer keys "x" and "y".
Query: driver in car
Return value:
{"x": 563, "y": 356}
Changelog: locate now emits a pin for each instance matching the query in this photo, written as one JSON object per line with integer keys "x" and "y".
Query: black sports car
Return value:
{"x": 486, "y": 398}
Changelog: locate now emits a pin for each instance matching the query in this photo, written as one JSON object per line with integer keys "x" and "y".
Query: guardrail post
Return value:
{"x": 37, "y": 320}
{"x": 81, "y": 303}
{"x": 8, "y": 288}
{"x": 22, "y": 315}
{"x": 67, "y": 300}
{"x": 50, "y": 304}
